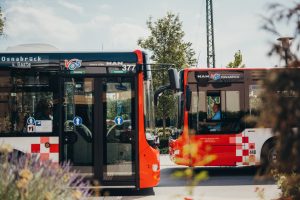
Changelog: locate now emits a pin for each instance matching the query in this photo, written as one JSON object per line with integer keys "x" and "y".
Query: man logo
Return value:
{"x": 215, "y": 77}
{"x": 73, "y": 64}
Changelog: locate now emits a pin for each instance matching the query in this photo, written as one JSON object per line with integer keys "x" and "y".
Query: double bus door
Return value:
{"x": 99, "y": 127}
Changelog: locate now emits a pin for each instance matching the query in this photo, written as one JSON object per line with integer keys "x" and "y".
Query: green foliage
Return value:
{"x": 281, "y": 108}
{"x": 260, "y": 193}
{"x": 27, "y": 178}
{"x": 280, "y": 101}
{"x": 167, "y": 46}
{"x": 164, "y": 145}
{"x": 193, "y": 179}
{"x": 166, "y": 42}
{"x": 281, "y": 17}
{"x": 238, "y": 60}
{"x": 163, "y": 150}
{"x": 124, "y": 108}
{"x": 289, "y": 184}
{"x": 1, "y": 22}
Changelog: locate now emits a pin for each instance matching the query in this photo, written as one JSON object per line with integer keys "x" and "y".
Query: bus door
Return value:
{"x": 217, "y": 120}
{"x": 99, "y": 128}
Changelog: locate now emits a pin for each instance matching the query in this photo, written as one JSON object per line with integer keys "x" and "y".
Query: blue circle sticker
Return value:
{"x": 118, "y": 120}
{"x": 30, "y": 121}
{"x": 77, "y": 121}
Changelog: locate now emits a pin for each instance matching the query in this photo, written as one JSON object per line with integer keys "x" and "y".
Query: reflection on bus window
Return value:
{"x": 44, "y": 110}
{"x": 23, "y": 97}
{"x": 119, "y": 135}
{"x": 254, "y": 99}
{"x": 78, "y": 104}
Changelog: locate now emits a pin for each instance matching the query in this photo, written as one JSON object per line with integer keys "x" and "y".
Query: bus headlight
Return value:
{"x": 155, "y": 167}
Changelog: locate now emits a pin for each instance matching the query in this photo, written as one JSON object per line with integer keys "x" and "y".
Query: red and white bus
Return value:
{"x": 229, "y": 139}
{"x": 94, "y": 109}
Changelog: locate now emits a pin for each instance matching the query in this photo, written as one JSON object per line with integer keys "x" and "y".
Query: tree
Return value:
{"x": 281, "y": 97}
{"x": 280, "y": 16}
{"x": 238, "y": 60}
{"x": 1, "y": 22}
{"x": 167, "y": 46}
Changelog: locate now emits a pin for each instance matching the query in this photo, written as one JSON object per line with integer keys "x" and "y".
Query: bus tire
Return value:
{"x": 268, "y": 155}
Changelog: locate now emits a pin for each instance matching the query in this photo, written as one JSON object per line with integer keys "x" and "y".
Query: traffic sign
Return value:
{"x": 119, "y": 120}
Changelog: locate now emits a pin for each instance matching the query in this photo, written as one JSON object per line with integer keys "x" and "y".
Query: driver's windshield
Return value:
{"x": 216, "y": 107}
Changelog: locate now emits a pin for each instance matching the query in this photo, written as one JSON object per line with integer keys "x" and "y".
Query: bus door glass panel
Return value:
{"x": 27, "y": 102}
{"x": 119, "y": 128}
{"x": 78, "y": 120}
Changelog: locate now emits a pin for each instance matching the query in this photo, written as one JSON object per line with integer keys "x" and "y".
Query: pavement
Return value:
{"x": 213, "y": 192}
{"x": 202, "y": 192}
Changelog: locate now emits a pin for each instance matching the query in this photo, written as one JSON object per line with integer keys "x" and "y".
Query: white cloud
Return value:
{"x": 125, "y": 35}
{"x": 104, "y": 7}
{"x": 40, "y": 24}
{"x": 71, "y": 6}
{"x": 31, "y": 23}
{"x": 98, "y": 21}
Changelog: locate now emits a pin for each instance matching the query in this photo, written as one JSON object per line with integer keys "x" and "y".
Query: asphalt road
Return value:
{"x": 223, "y": 183}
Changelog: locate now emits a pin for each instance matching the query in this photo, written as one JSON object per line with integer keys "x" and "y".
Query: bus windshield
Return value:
{"x": 215, "y": 106}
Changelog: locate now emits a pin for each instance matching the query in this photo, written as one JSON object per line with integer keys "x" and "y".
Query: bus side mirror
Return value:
{"x": 159, "y": 92}
{"x": 174, "y": 85}
{"x": 188, "y": 97}
{"x": 174, "y": 79}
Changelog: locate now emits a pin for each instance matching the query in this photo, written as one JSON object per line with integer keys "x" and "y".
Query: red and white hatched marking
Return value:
{"x": 47, "y": 148}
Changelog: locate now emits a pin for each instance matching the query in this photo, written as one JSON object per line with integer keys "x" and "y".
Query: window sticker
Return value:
{"x": 31, "y": 121}
{"x": 43, "y": 126}
{"x": 77, "y": 121}
{"x": 119, "y": 120}
{"x": 30, "y": 128}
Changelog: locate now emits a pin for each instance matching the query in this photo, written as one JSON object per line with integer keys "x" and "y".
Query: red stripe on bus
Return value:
{"x": 139, "y": 55}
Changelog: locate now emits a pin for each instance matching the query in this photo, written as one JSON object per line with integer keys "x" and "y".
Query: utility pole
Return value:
{"x": 286, "y": 43}
{"x": 211, "y": 61}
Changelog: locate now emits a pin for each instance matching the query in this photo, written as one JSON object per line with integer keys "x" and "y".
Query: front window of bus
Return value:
{"x": 149, "y": 111}
{"x": 26, "y": 102}
{"x": 215, "y": 107}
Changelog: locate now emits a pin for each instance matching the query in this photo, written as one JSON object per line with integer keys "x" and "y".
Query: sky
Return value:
{"x": 116, "y": 25}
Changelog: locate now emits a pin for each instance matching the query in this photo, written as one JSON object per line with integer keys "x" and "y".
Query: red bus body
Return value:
{"x": 101, "y": 120}
{"x": 199, "y": 142}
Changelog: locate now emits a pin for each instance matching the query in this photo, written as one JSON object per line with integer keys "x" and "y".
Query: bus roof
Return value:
{"x": 58, "y": 59}
{"x": 229, "y": 69}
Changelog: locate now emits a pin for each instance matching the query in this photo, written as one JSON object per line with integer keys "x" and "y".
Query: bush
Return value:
{"x": 164, "y": 145}
{"x": 28, "y": 178}
{"x": 289, "y": 184}
{"x": 168, "y": 131}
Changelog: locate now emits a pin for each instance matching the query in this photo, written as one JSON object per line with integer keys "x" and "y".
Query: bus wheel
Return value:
{"x": 269, "y": 156}
{"x": 272, "y": 156}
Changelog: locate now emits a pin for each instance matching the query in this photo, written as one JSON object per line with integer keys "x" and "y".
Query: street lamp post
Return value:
{"x": 286, "y": 43}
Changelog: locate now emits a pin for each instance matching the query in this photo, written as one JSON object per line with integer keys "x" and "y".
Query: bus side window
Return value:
{"x": 214, "y": 111}
{"x": 254, "y": 103}
{"x": 213, "y": 105}
{"x": 21, "y": 96}
{"x": 231, "y": 112}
